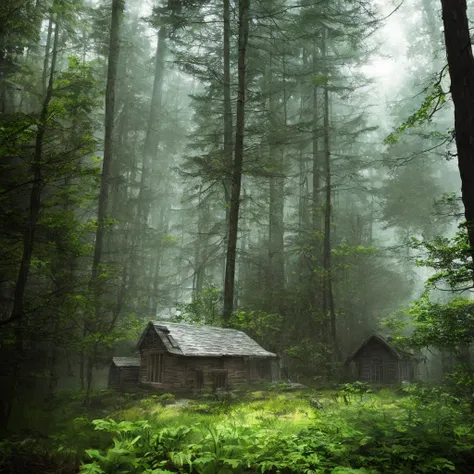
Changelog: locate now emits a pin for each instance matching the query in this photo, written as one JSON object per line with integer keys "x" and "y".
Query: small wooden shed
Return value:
{"x": 377, "y": 360}
{"x": 177, "y": 356}
{"x": 124, "y": 372}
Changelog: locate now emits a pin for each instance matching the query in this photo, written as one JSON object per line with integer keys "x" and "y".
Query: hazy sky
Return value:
{"x": 388, "y": 64}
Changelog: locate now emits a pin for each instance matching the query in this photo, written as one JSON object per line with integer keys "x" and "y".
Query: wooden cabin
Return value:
{"x": 377, "y": 360}
{"x": 185, "y": 357}
{"x": 124, "y": 373}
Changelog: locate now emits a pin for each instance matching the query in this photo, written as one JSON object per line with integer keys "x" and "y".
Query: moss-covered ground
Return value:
{"x": 351, "y": 430}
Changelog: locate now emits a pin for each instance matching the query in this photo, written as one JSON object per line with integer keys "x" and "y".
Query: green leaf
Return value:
{"x": 91, "y": 468}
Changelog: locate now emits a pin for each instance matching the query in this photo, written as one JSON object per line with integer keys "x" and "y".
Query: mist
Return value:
{"x": 206, "y": 205}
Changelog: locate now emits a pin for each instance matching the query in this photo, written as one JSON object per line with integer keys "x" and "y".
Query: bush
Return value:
{"x": 350, "y": 391}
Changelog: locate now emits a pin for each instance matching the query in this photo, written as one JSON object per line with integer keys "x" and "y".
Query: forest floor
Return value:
{"x": 411, "y": 430}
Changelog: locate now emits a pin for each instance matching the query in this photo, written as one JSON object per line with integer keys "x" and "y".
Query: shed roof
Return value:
{"x": 126, "y": 361}
{"x": 385, "y": 341}
{"x": 205, "y": 341}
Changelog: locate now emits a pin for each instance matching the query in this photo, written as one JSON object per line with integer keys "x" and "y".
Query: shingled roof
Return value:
{"x": 205, "y": 341}
{"x": 385, "y": 341}
{"x": 126, "y": 361}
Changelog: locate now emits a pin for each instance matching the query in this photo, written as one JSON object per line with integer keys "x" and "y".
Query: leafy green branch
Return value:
{"x": 434, "y": 100}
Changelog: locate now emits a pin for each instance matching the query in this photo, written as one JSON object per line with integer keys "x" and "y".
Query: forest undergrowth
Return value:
{"x": 412, "y": 429}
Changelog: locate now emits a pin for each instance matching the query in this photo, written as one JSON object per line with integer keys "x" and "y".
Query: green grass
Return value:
{"x": 289, "y": 411}
{"x": 355, "y": 431}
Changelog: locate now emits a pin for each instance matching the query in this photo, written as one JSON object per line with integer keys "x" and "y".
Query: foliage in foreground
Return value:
{"x": 423, "y": 432}
{"x": 442, "y": 318}
{"x": 417, "y": 430}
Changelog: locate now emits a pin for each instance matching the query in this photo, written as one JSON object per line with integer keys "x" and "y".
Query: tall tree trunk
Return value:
{"x": 276, "y": 262}
{"x": 198, "y": 259}
{"x": 276, "y": 242}
{"x": 44, "y": 82}
{"x": 461, "y": 70}
{"x": 152, "y": 134}
{"x": 120, "y": 204}
{"x": 114, "y": 49}
{"x": 241, "y": 270}
{"x": 149, "y": 172}
{"x": 9, "y": 392}
{"x": 316, "y": 218}
{"x": 227, "y": 112}
{"x": 238, "y": 162}
{"x": 162, "y": 224}
{"x": 328, "y": 290}
{"x": 316, "y": 201}
{"x": 302, "y": 168}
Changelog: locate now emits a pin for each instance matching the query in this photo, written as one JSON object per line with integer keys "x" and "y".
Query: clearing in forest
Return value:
{"x": 351, "y": 430}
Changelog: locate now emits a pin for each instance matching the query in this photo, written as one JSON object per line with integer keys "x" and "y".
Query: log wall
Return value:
{"x": 376, "y": 354}
{"x": 186, "y": 373}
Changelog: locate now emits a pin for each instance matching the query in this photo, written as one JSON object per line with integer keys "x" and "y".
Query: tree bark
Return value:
{"x": 316, "y": 202}
{"x": 198, "y": 276}
{"x": 155, "y": 298}
{"x": 227, "y": 112}
{"x": 276, "y": 242}
{"x": 112, "y": 67}
{"x": 114, "y": 49}
{"x": 302, "y": 167}
{"x": 149, "y": 173}
{"x": 44, "y": 81}
{"x": 229, "y": 280}
{"x": 152, "y": 136}
{"x": 328, "y": 300}
{"x": 317, "y": 286}
{"x": 276, "y": 259}
{"x": 241, "y": 271}
{"x": 461, "y": 71}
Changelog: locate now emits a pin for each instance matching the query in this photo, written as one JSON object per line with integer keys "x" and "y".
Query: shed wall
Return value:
{"x": 123, "y": 377}
{"x": 373, "y": 356}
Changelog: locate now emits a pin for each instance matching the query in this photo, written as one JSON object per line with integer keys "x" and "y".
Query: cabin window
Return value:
{"x": 376, "y": 371}
{"x": 199, "y": 379}
{"x": 155, "y": 368}
{"x": 221, "y": 381}
{"x": 220, "y": 378}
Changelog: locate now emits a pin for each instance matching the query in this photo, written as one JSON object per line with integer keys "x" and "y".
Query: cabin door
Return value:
{"x": 377, "y": 372}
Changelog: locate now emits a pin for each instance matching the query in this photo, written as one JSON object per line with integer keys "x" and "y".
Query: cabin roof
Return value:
{"x": 385, "y": 341}
{"x": 205, "y": 341}
{"x": 126, "y": 361}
